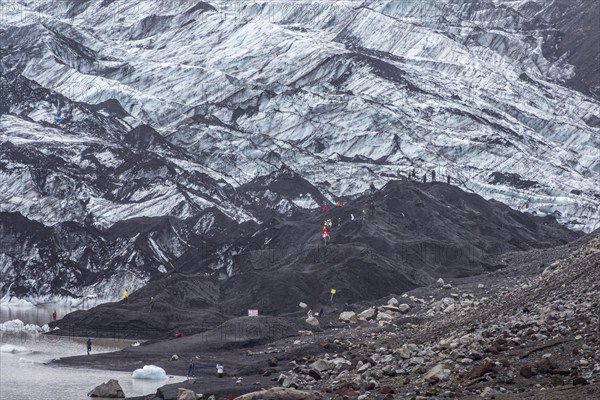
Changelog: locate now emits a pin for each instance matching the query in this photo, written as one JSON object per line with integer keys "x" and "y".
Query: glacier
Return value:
{"x": 119, "y": 111}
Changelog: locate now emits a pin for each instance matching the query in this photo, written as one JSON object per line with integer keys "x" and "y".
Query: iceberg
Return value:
{"x": 150, "y": 372}
{"x": 9, "y": 348}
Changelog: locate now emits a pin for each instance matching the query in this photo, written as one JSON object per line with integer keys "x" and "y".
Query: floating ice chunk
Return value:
{"x": 9, "y": 348}
{"x": 149, "y": 372}
{"x": 16, "y": 325}
{"x": 135, "y": 344}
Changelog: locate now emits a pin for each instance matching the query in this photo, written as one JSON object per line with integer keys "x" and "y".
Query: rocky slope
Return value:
{"x": 532, "y": 337}
{"x": 415, "y": 234}
{"x": 529, "y": 331}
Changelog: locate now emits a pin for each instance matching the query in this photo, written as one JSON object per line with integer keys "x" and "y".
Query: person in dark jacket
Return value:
{"x": 192, "y": 368}
{"x": 89, "y": 346}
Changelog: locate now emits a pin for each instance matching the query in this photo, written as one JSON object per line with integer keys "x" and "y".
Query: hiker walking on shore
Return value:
{"x": 192, "y": 368}
{"x": 220, "y": 369}
{"x": 89, "y": 346}
{"x": 125, "y": 296}
{"x": 54, "y": 315}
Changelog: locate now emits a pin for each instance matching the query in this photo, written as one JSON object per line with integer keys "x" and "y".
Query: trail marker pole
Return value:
{"x": 333, "y": 291}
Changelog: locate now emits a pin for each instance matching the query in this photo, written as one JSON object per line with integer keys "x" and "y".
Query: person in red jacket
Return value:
{"x": 178, "y": 334}
{"x": 323, "y": 207}
{"x": 325, "y": 233}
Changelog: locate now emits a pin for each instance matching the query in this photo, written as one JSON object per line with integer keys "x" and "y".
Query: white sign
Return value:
{"x": 253, "y": 313}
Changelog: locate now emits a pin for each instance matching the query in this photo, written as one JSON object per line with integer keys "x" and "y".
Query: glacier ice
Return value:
{"x": 151, "y": 372}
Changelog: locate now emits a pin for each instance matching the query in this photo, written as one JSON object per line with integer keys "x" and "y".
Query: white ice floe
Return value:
{"x": 151, "y": 372}
{"x": 9, "y": 348}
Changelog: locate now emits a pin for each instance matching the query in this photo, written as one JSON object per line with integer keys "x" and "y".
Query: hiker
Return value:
{"x": 433, "y": 175}
{"x": 448, "y": 179}
{"x": 192, "y": 368}
{"x": 178, "y": 334}
{"x": 398, "y": 173}
{"x": 220, "y": 369}
{"x": 414, "y": 174}
{"x": 89, "y": 346}
{"x": 54, "y": 315}
{"x": 372, "y": 208}
{"x": 323, "y": 207}
{"x": 337, "y": 203}
{"x": 325, "y": 234}
{"x": 151, "y": 302}
{"x": 372, "y": 187}
{"x": 424, "y": 178}
{"x": 125, "y": 295}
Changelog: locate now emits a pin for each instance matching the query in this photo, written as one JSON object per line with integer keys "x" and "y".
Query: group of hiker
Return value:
{"x": 192, "y": 369}
{"x": 411, "y": 174}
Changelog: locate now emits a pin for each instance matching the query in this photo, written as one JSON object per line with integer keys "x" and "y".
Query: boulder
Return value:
{"x": 316, "y": 375}
{"x": 312, "y": 321}
{"x": 186, "y": 394}
{"x": 393, "y": 302}
{"x": 281, "y": 394}
{"x": 489, "y": 393}
{"x": 526, "y": 371}
{"x": 347, "y": 316}
{"x": 368, "y": 314}
{"x": 363, "y": 367}
{"x": 404, "y": 352}
{"x": 320, "y": 365}
{"x": 174, "y": 357}
{"x": 404, "y": 308}
{"x": 440, "y": 282}
{"x": 482, "y": 369}
{"x": 440, "y": 372}
{"x": 302, "y": 305}
{"x": 109, "y": 390}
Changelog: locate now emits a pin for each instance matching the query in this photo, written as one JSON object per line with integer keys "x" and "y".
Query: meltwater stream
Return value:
{"x": 24, "y": 374}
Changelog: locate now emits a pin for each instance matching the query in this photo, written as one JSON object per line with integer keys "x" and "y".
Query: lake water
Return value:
{"x": 25, "y": 375}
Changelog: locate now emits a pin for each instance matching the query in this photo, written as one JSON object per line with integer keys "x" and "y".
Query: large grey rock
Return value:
{"x": 320, "y": 365}
{"x": 281, "y": 394}
{"x": 312, "y": 321}
{"x": 108, "y": 390}
{"x": 393, "y": 302}
{"x": 439, "y": 371}
{"x": 404, "y": 308}
{"x": 186, "y": 394}
{"x": 368, "y": 314}
{"x": 404, "y": 352}
{"x": 347, "y": 316}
